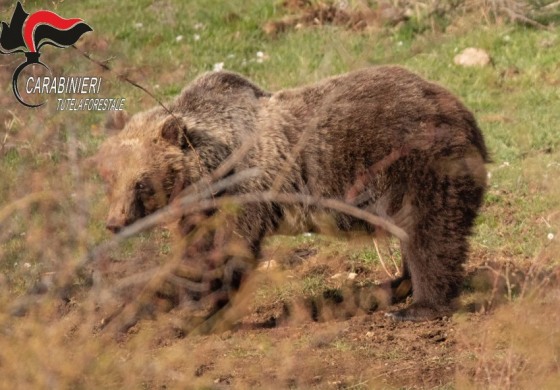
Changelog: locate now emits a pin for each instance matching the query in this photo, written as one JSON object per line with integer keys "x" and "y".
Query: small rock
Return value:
{"x": 352, "y": 275}
{"x": 268, "y": 265}
{"x": 225, "y": 379}
{"x": 472, "y": 56}
{"x": 336, "y": 276}
{"x": 202, "y": 369}
{"x": 261, "y": 57}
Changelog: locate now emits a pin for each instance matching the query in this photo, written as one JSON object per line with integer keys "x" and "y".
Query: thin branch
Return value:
{"x": 516, "y": 17}
{"x": 125, "y": 78}
{"x": 195, "y": 203}
{"x": 167, "y": 213}
{"x": 381, "y": 259}
{"x": 22, "y": 203}
{"x": 551, "y": 5}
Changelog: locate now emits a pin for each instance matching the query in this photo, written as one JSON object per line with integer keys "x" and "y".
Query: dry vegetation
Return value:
{"x": 71, "y": 294}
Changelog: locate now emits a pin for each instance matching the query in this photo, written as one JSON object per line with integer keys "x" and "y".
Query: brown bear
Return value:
{"x": 382, "y": 139}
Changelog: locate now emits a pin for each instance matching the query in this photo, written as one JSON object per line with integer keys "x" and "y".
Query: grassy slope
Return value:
{"x": 516, "y": 102}
{"x": 512, "y": 99}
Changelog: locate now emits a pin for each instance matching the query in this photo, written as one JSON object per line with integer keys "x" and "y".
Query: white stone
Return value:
{"x": 472, "y": 56}
{"x": 268, "y": 265}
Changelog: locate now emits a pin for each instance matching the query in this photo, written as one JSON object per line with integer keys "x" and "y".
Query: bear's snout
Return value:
{"x": 124, "y": 210}
{"x": 113, "y": 225}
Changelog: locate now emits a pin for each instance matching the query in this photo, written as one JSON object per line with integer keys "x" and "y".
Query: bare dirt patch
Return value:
{"x": 335, "y": 336}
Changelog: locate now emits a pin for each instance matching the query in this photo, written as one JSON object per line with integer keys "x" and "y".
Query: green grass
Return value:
{"x": 513, "y": 99}
{"x": 367, "y": 256}
{"x": 516, "y": 101}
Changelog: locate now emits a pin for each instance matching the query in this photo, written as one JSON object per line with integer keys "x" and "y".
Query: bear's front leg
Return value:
{"x": 220, "y": 251}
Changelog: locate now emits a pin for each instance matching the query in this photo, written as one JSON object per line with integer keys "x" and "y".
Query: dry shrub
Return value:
{"x": 534, "y": 13}
{"x": 421, "y": 14}
{"x": 518, "y": 345}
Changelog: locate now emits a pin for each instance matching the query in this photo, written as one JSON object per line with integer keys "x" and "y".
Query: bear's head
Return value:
{"x": 157, "y": 153}
{"x": 146, "y": 165}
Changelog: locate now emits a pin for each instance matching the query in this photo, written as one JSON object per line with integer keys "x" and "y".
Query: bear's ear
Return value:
{"x": 103, "y": 161}
{"x": 116, "y": 121}
{"x": 174, "y": 131}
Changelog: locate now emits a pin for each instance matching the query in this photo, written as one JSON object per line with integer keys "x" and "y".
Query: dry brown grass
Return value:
{"x": 63, "y": 303}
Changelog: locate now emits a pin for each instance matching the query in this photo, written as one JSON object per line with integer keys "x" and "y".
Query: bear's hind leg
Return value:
{"x": 436, "y": 269}
{"x": 438, "y": 245}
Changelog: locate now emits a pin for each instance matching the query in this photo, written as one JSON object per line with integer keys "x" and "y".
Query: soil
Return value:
{"x": 330, "y": 340}
{"x": 369, "y": 350}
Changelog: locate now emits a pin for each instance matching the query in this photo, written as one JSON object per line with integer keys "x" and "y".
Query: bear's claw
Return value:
{"x": 416, "y": 314}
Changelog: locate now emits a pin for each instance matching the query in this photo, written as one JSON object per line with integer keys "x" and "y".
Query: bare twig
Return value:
{"x": 22, "y": 203}
{"x": 172, "y": 211}
{"x": 516, "y": 17}
{"x": 125, "y": 78}
{"x": 232, "y": 159}
{"x": 551, "y": 5}
{"x": 3, "y": 143}
{"x": 196, "y": 202}
{"x": 381, "y": 259}
{"x": 391, "y": 255}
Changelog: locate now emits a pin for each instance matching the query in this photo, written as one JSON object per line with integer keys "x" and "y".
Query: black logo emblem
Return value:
{"x": 28, "y": 33}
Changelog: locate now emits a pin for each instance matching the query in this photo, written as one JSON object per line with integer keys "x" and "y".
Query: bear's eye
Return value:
{"x": 142, "y": 186}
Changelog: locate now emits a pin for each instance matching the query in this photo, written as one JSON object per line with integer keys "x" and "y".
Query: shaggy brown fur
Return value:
{"x": 381, "y": 138}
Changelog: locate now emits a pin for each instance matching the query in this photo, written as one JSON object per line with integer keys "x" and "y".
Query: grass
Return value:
{"x": 165, "y": 44}
{"x": 511, "y": 99}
